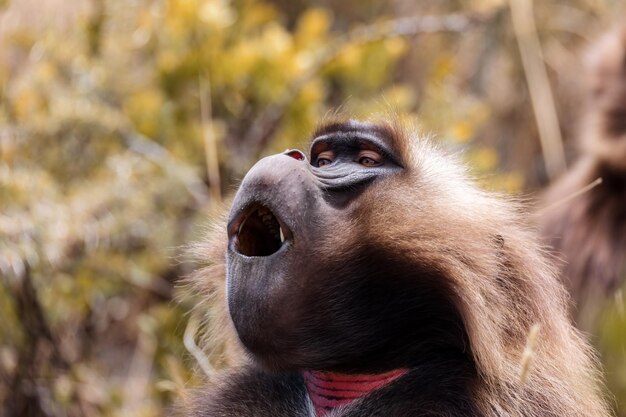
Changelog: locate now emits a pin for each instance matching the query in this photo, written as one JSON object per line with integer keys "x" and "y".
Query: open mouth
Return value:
{"x": 260, "y": 233}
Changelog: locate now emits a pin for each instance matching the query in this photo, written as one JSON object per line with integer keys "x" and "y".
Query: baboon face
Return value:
{"x": 312, "y": 280}
{"x": 606, "y": 72}
{"x": 605, "y": 121}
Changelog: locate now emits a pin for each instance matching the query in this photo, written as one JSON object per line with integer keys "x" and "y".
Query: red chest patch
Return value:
{"x": 328, "y": 390}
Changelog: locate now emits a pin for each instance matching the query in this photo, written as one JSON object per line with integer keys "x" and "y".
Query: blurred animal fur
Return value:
{"x": 589, "y": 231}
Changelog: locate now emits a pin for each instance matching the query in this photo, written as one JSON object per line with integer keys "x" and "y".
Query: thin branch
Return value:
{"x": 33, "y": 319}
{"x": 159, "y": 155}
{"x": 568, "y": 198}
{"x": 38, "y": 338}
{"x": 538, "y": 86}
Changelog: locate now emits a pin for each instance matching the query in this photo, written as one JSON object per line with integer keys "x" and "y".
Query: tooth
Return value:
{"x": 282, "y": 235}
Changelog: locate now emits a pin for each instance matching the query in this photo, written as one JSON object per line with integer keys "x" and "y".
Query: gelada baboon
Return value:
{"x": 371, "y": 278}
{"x": 589, "y": 230}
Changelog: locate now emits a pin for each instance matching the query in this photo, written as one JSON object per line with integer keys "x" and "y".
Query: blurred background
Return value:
{"x": 124, "y": 124}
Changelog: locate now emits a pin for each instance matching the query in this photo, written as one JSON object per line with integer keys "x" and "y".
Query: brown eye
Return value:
{"x": 323, "y": 161}
{"x": 325, "y": 158}
{"x": 368, "y": 162}
{"x": 369, "y": 159}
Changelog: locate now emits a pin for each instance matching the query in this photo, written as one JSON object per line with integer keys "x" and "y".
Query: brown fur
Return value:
{"x": 589, "y": 231}
{"x": 206, "y": 287}
{"x": 432, "y": 217}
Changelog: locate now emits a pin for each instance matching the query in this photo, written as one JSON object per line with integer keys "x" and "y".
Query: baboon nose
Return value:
{"x": 295, "y": 154}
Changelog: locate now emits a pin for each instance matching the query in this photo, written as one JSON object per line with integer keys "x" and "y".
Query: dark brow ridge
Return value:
{"x": 354, "y": 139}
{"x": 353, "y": 126}
{"x": 385, "y": 135}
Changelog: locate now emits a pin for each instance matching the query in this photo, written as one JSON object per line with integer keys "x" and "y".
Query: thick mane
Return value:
{"x": 206, "y": 286}
{"x": 500, "y": 297}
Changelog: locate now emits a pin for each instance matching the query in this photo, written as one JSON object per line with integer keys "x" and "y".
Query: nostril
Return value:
{"x": 295, "y": 154}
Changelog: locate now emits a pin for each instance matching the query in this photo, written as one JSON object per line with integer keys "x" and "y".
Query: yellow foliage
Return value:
{"x": 312, "y": 93}
{"x": 400, "y": 97}
{"x": 485, "y": 159}
{"x": 312, "y": 28}
{"x": 46, "y": 72}
{"x": 167, "y": 60}
{"x": 464, "y": 121}
{"x": 304, "y": 60}
{"x": 462, "y": 131}
{"x": 396, "y": 47}
{"x": 143, "y": 108}
{"x": 27, "y": 103}
{"x": 242, "y": 57}
{"x": 184, "y": 10}
{"x": 349, "y": 57}
{"x": 443, "y": 68}
{"x": 275, "y": 41}
{"x": 217, "y": 13}
{"x": 255, "y": 14}
{"x": 509, "y": 182}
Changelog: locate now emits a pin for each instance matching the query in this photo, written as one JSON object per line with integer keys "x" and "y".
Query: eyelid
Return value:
{"x": 368, "y": 153}
{"x": 328, "y": 154}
